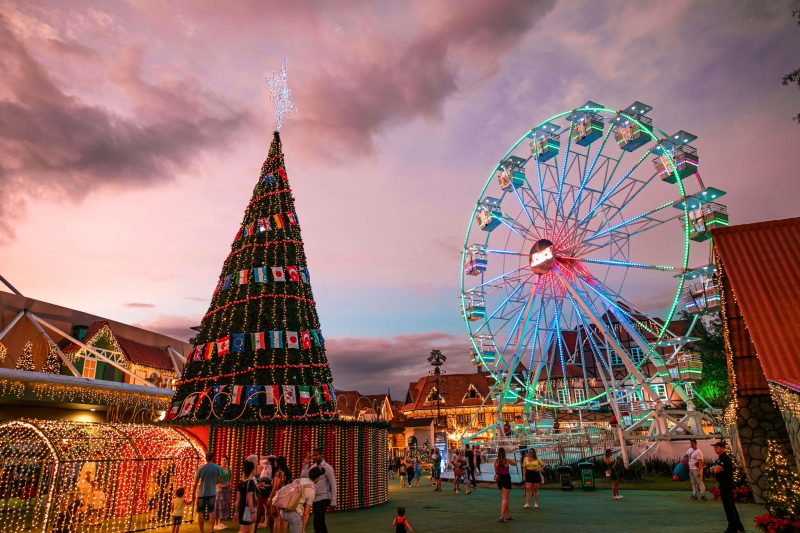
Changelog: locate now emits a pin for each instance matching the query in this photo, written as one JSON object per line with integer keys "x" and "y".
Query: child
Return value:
{"x": 402, "y": 472}
{"x": 400, "y": 523}
{"x": 178, "y": 506}
{"x": 417, "y": 471}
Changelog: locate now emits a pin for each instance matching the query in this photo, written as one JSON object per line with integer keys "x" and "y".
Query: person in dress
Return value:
{"x": 613, "y": 467}
{"x": 502, "y": 475}
{"x": 246, "y": 499}
{"x": 532, "y": 466}
{"x": 223, "y": 502}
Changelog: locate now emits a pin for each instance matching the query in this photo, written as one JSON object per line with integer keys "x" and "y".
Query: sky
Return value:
{"x": 132, "y": 134}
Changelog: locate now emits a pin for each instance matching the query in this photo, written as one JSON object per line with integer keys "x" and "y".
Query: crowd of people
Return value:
{"x": 266, "y": 496}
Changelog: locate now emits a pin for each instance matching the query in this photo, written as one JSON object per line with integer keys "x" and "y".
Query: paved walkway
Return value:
{"x": 560, "y": 511}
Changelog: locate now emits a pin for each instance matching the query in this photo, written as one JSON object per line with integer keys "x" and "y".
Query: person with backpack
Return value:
{"x": 325, "y": 490}
{"x": 296, "y": 499}
{"x": 696, "y": 465}
{"x": 400, "y": 522}
{"x": 246, "y": 499}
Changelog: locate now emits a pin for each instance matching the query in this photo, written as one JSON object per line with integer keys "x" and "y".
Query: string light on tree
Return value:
{"x": 53, "y": 363}
{"x": 25, "y": 361}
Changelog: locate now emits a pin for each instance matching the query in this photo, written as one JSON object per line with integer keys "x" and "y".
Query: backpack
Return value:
{"x": 288, "y": 497}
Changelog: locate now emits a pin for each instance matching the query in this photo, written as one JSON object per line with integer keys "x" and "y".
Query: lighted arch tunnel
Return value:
{"x": 77, "y": 476}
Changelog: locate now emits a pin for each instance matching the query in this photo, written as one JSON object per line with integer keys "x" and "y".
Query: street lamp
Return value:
{"x": 436, "y": 359}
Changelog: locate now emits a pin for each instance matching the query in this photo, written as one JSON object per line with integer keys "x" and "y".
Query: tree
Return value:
{"x": 714, "y": 386}
{"x": 783, "y": 484}
{"x": 53, "y": 363}
{"x": 794, "y": 76}
{"x": 25, "y": 361}
{"x": 259, "y": 348}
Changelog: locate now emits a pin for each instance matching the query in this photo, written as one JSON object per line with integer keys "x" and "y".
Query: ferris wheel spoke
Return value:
{"x": 599, "y": 233}
{"x": 588, "y": 174}
{"x": 619, "y": 310}
{"x": 597, "y": 354}
{"x": 565, "y": 165}
{"x": 526, "y": 312}
{"x": 506, "y": 276}
{"x": 527, "y": 212}
{"x": 625, "y": 264}
{"x": 633, "y": 192}
{"x": 502, "y": 305}
{"x": 516, "y": 228}
{"x": 606, "y": 195}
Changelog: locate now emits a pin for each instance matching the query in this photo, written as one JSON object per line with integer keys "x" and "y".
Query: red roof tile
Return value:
{"x": 762, "y": 265}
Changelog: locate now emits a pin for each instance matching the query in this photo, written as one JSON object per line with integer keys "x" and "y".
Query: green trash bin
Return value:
{"x": 587, "y": 475}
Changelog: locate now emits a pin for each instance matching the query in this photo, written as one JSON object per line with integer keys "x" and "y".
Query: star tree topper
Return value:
{"x": 280, "y": 95}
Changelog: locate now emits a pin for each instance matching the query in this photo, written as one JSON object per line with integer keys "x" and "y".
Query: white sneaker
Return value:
{"x": 220, "y": 526}
{"x": 526, "y": 506}
{"x": 535, "y": 505}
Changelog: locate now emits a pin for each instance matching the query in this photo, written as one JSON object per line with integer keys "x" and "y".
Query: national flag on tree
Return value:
{"x": 269, "y": 243}
{"x": 258, "y": 341}
{"x": 326, "y": 393}
{"x": 188, "y": 403}
{"x": 237, "y": 342}
{"x": 260, "y": 275}
{"x": 305, "y": 394}
{"x": 289, "y": 397}
{"x": 224, "y": 346}
{"x": 305, "y": 340}
{"x": 292, "y": 340}
{"x": 276, "y": 339}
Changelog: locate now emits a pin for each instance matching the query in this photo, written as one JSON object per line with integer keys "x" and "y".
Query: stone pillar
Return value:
{"x": 758, "y": 421}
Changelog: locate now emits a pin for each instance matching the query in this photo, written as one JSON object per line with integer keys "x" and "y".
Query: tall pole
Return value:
{"x": 438, "y": 398}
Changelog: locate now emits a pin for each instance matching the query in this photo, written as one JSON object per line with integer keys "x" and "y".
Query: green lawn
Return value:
{"x": 642, "y": 509}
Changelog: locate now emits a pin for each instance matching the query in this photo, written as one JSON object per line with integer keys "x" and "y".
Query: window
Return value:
{"x": 579, "y": 395}
{"x": 482, "y": 419}
{"x": 89, "y": 367}
{"x": 661, "y": 390}
{"x": 615, "y": 358}
{"x": 562, "y": 396}
{"x": 637, "y": 355}
{"x": 472, "y": 393}
{"x": 462, "y": 420}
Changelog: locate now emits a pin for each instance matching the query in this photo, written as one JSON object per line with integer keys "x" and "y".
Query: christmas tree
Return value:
{"x": 259, "y": 353}
{"x": 25, "y": 361}
{"x": 53, "y": 363}
{"x": 783, "y": 482}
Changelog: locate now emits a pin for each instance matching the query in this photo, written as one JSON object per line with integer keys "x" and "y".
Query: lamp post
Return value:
{"x": 436, "y": 359}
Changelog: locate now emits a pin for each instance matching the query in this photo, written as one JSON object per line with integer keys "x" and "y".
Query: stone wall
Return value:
{"x": 758, "y": 421}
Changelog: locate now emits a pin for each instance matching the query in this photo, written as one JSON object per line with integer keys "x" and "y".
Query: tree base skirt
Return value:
{"x": 357, "y": 451}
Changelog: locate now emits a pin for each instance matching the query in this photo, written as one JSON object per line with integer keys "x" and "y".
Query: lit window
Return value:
{"x": 637, "y": 355}
{"x": 89, "y": 368}
{"x": 579, "y": 395}
{"x": 661, "y": 390}
{"x": 562, "y": 396}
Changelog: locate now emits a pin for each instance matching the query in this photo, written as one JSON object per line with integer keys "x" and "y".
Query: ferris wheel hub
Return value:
{"x": 541, "y": 257}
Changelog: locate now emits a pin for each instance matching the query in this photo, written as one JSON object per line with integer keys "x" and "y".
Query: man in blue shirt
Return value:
{"x": 207, "y": 477}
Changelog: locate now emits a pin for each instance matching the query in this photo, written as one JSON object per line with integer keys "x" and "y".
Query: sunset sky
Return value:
{"x": 132, "y": 134}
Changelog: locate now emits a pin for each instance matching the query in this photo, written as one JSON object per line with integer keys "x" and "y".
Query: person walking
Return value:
{"x": 436, "y": 469}
{"x": 246, "y": 499}
{"x": 417, "y": 472}
{"x": 325, "y": 490}
{"x": 207, "y": 477}
{"x": 696, "y": 464}
{"x": 223, "y": 502}
{"x": 410, "y": 470}
{"x": 178, "y": 507}
{"x": 532, "y": 466}
{"x": 401, "y": 469}
{"x": 723, "y": 469}
{"x": 478, "y": 461}
{"x": 469, "y": 453}
{"x": 502, "y": 475}
{"x": 612, "y": 471}
{"x": 298, "y": 518}
{"x": 400, "y": 522}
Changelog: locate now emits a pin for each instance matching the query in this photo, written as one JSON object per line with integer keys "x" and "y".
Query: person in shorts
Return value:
{"x": 436, "y": 469}
{"x": 178, "y": 507}
{"x": 207, "y": 478}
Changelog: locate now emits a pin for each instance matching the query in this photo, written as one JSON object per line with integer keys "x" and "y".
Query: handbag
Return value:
{"x": 246, "y": 515}
{"x": 608, "y": 472}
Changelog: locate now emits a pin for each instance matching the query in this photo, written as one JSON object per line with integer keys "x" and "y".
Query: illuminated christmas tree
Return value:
{"x": 53, "y": 363}
{"x": 260, "y": 348}
{"x": 25, "y": 361}
{"x": 783, "y": 482}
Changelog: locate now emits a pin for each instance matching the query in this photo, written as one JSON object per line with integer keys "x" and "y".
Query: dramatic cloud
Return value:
{"x": 371, "y": 366}
{"x": 55, "y": 144}
{"x": 379, "y": 79}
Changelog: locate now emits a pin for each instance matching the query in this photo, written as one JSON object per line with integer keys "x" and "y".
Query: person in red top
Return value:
{"x": 400, "y": 523}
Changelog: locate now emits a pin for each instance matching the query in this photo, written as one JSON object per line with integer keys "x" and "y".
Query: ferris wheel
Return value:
{"x": 585, "y": 241}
